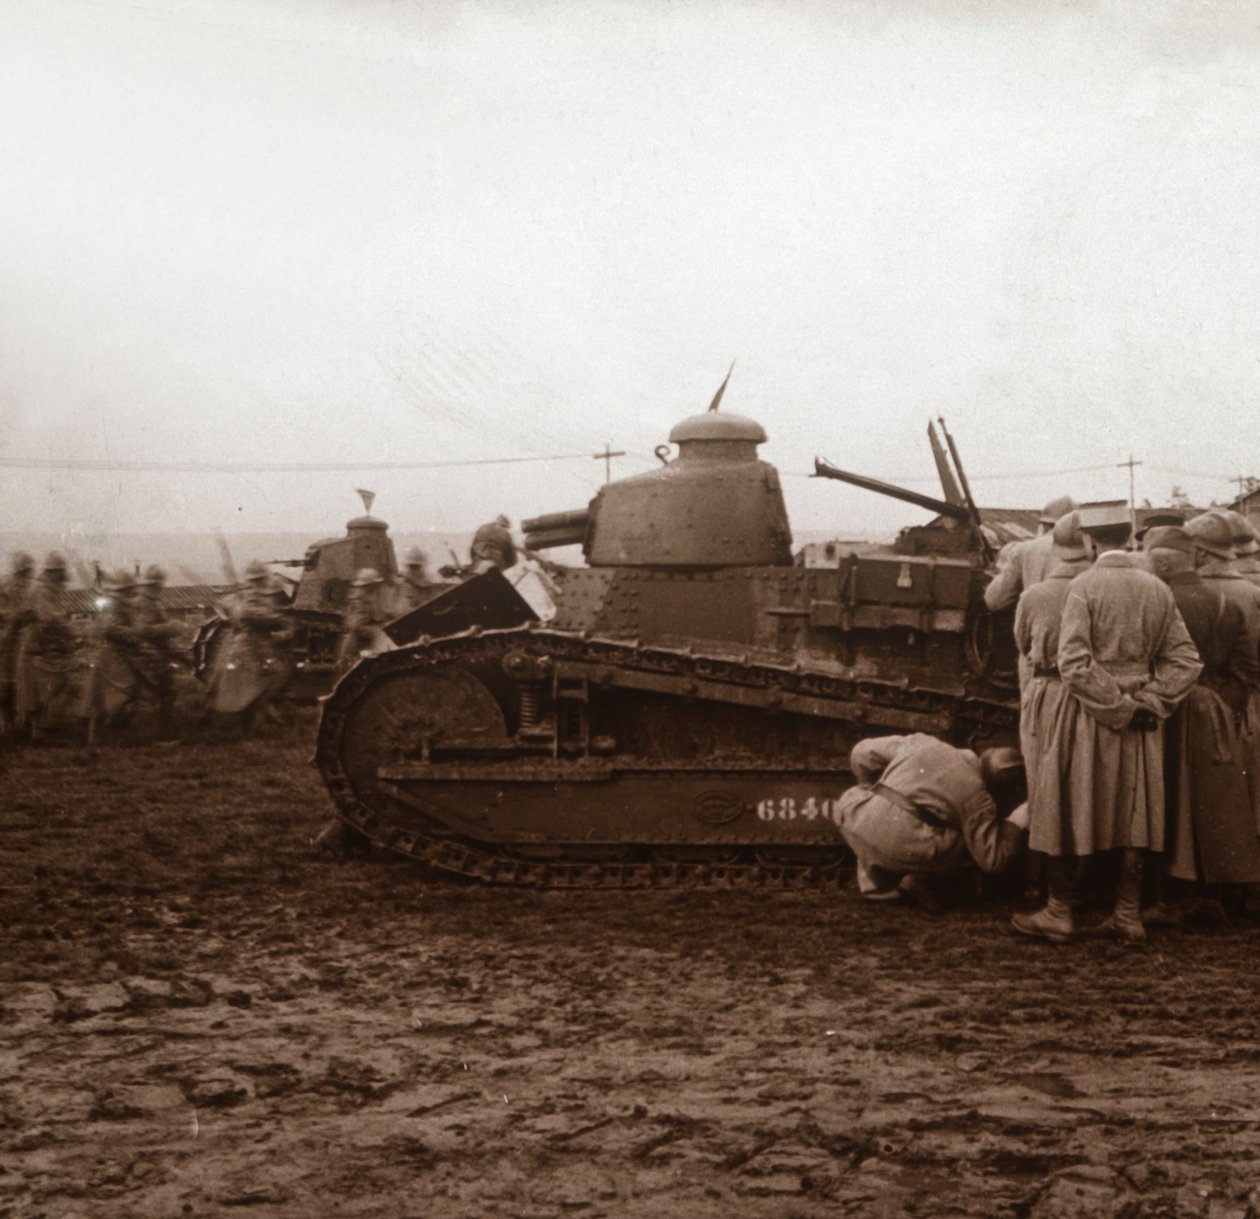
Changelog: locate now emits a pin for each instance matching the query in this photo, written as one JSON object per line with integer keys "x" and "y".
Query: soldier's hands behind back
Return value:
{"x": 1144, "y": 720}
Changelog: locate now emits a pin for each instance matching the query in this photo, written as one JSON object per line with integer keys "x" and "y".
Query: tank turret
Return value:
{"x": 329, "y": 565}
{"x": 714, "y": 505}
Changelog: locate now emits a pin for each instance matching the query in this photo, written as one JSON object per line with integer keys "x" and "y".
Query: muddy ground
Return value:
{"x": 200, "y": 1017}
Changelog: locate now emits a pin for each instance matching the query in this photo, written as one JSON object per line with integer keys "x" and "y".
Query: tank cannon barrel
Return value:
{"x": 557, "y": 529}
{"x": 824, "y": 469}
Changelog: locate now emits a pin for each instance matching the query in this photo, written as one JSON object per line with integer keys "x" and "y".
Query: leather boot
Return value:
{"x": 1054, "y": 921}
{"x": 1125, "y": 921}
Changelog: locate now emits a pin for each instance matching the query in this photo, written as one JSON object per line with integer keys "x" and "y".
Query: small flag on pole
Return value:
{"x": 368, "y": 497}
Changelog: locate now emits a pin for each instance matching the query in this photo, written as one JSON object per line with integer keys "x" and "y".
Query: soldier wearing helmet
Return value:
{"x": 922, "y": 807}
{"x": 1211, "y": 832}
{"x": 45, "y": 676}
{"x": 415, "y": 588}
{"x": 492, "y": 546}
{"x": 1028, "y": 562}
{"x": 250, "y": 668}
{"x": 1246, "y": 547}
{"x": 118, "y": 679}
{"x": 1213, "y": 535}
{"x": 15, "y": 618}
{"x": 1037, "y": 619}
{"x": 363, "y": 625}
{"x": 157, "y": 638}
{"x": 1125, "y": 661}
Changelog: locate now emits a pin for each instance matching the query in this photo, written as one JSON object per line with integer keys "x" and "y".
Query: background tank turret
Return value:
{"x": 318, "y": 600}
{"x": 687, "y": 715}
{"x": 328, "y": 566}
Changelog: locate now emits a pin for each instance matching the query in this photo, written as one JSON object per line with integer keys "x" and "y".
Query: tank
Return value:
{"x": 686, "y": 717}
{"x": 318, "y": 599}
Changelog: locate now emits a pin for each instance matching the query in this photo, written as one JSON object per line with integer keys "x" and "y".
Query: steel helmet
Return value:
{"x": 1213, "y": 534}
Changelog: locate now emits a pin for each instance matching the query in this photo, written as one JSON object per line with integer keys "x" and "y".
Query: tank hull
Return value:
{"x": 533, "y": 756}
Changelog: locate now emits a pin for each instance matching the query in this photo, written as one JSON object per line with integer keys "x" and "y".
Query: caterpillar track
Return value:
{"x": 541, "y": 757}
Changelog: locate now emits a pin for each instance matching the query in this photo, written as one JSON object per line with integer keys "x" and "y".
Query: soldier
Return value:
{"x": 492, "y": 546}
{"x": 117, "y": 678}
{"x": 1213, "y": 536}
{"x": 1023, "y": 564}
{"x": 1125, "y": 660}
{"x": 249, "y": 669}
{"x": 415, "y": 588}
{"x": 362, "y": 632}
{"x": 923, "y": 807}
{"x": 1246, "y": 548}
{"x": 1211, "y": 833}
{"x": 1037, "y": 620}
{"x": 15, "y": 618}
{"x": 45, "y": 662}
{"x": 157, "y": 635}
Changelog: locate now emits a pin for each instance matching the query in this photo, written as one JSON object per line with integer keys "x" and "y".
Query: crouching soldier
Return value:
{"x": 923, "y": 808}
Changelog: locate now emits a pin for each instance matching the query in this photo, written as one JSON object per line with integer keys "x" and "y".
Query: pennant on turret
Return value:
{"x": 717, "y": 398}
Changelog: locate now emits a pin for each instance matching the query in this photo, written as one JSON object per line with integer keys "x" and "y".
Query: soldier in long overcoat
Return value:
{"x": 117, "y": 680}
{"x": 1211, "y": 833}
{"x": 47, "y": 666}
{"x": 157, "y": 634}
{"x": 1025, "y": 563}
{"x": 15, "y": 618}
{"x": 1213, "y": 536}
{"x": 1126, "y": 661}
{"x": 251, "y": 668}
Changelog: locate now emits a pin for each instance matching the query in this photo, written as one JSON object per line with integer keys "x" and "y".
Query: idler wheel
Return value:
{"x": 400, "y": 716}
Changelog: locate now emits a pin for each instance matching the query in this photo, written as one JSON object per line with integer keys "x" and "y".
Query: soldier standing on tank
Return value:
{"x": 46, "y": 652}
{"x": 492, "y": 546}
{"x": 15, "y": 618}
{"x": 1028, "y": 562}
{"x": 1211, "y": 833}
{"x": 157, "y": 635}
{"x": 1126, "y": 661}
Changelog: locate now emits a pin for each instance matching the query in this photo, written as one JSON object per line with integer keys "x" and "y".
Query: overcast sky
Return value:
{"x": 358, "y": 232}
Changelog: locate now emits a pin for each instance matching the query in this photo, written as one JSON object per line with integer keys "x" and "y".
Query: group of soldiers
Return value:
{"x": 50, "y": 672}
{"x": 128, "y": 657}
{"x": 1139, "y": 673}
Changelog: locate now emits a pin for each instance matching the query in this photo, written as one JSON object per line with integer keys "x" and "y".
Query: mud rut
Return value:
{"x": 200, "y": 1018}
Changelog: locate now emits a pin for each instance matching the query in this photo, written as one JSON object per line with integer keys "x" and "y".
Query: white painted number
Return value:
{"x": 785, "y": 808}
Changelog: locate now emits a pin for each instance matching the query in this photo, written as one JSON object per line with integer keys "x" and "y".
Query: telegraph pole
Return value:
{"x": 606, "y": 457}
{"x": 1132, "y": 502}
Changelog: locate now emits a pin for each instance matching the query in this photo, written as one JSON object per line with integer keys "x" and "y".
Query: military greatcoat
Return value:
{"x": 1037, "y": 620}
{"x": 1211, "y": 833}
{"x": 1122, "y": 646}
{"x": 1020, "y": 566}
